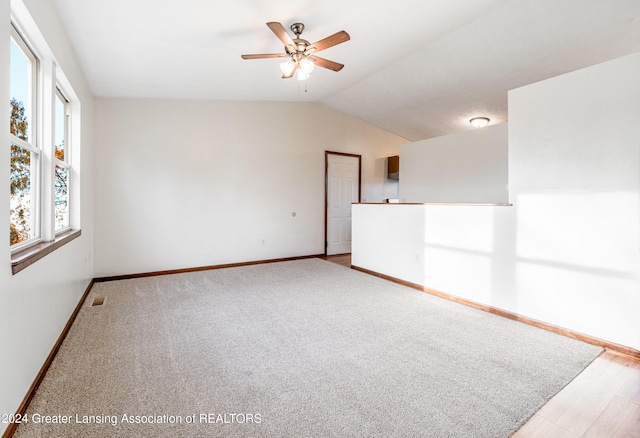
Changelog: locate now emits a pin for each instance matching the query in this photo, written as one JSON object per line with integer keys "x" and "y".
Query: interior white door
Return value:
{"x": 343, "y": 188}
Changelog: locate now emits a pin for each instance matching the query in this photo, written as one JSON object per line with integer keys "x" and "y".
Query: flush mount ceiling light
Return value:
{"x": 300, "y": 52}
{"x": 479, "y": 122}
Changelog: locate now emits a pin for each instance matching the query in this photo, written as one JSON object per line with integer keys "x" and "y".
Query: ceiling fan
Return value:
{"x": 300, "y": 52}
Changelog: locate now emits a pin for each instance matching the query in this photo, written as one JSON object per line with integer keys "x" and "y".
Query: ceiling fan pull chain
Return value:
{"x": 306, "y": 88}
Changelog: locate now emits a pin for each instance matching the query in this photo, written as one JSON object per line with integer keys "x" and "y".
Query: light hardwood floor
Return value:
{"x": 601, "y": 402}
{"x": 341, "y": 259}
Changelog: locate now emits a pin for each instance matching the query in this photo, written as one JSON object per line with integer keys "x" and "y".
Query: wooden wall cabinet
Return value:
{"x": 393, "y": 167}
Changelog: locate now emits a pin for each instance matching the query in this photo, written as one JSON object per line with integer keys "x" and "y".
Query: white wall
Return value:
{"x": 470, "y": 166}
{"x": 574, "y": 145}
{"x": 568, "y": 251}
{"x": 36, "y": 303}
{"x": 461, "y": 250}
{"x": 196, "y": 183}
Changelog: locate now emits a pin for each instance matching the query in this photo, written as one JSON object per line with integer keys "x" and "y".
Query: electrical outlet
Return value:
{"x": 417, "y": 260}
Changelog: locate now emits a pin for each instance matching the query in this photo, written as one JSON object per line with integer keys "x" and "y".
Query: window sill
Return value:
{"x": 29, "y": 256}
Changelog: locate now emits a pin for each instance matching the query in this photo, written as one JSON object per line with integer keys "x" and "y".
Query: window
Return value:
{"x": 61, "y": 162}
{"x": 25, "y": 154}
{"x": 43, "y": 104}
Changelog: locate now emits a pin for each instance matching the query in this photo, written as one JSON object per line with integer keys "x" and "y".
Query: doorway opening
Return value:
{"x": 342, "y": 180}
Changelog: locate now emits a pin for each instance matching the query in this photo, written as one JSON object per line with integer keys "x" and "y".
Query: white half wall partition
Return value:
{"x": 447, "y": 247}
{"x": 568, "y": 251}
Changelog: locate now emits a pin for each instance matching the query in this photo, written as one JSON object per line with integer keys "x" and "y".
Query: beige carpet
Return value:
{"x": 302, "y": 348}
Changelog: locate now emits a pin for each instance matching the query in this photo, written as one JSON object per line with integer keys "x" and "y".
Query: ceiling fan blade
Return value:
{"x": 330, "y": 41}
{"x": 265, "y": 55}
{"x": 282, "y": 35}
{"x": 331, "y": 65}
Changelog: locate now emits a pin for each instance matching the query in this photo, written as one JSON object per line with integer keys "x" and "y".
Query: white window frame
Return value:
{"x": 66, "y": 163}
{"x": 48, "y": 77}
{"x": 32, "y": 145}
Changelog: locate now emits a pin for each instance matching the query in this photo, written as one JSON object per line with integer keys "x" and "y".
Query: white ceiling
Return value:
{"x": 417, "y": 68}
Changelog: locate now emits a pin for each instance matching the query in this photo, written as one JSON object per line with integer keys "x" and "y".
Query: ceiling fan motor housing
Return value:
{"x": 300, "y": 44}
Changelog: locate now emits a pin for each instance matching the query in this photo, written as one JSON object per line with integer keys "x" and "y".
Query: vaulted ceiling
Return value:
{"x": 417, "y": 68}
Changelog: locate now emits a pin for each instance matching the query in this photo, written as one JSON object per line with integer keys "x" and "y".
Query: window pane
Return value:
{"x": 60, "y": 124}
{"x": 22, "y": 220}
{"x": 21, "y": 80}
{"x": 62, "y": 197}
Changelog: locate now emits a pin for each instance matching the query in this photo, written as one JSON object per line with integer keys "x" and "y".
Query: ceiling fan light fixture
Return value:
{"x": 479, "y": 122}
{"x": 302, "y": 75}
{"x": 307, "y": 65}
{"x": 288, "y": 67}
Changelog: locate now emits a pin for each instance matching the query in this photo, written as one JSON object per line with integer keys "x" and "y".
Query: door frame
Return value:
{"x": 326, "y": 187}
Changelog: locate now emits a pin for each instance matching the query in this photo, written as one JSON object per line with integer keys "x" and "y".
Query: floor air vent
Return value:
{"x": 97, "y": 301}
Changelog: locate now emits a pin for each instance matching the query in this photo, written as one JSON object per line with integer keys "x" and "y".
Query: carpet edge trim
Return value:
{"x": 560, "y": 390}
